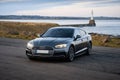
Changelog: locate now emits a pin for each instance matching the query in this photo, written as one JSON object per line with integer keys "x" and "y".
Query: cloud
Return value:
{"x": 106, "y": 3}
{"x": 75, "y": 9}
{"x": 61, "y": 7}
{"x": 4, "y": 1}
{"x": 63, "y": 1}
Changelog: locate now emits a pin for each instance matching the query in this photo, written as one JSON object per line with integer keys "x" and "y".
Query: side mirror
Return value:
{"x": 78, "y": 36}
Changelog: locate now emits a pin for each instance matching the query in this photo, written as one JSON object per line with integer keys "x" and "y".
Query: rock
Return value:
{"x": 92, "y": 23}
{"x": 106, "y": 39}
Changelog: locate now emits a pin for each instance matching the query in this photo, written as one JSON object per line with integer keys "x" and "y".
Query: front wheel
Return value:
{"x": 71, "y": 54}
{"x": 30, "y": 57}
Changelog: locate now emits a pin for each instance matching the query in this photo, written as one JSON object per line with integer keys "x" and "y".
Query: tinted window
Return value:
{"x": 82, "y": 33}
{"x": 59, "y": 32}
{"x": 77, "y": 33}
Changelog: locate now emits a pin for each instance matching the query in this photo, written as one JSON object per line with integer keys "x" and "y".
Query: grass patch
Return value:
{"x": 105, "y": 40}
{"x": 23, "y": 30}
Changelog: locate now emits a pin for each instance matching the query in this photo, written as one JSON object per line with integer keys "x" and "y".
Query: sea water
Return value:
{"x": 111, "y": 27}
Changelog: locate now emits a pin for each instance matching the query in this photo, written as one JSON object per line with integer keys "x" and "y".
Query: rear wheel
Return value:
{"x": 71, "y": 54}
{"x": 89, "y": 49}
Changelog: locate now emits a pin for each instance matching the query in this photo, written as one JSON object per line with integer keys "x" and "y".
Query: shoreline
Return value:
{"x": 105, "y": 40}
{"x": 110, "y": 35}
{"x": 29, "y": 30}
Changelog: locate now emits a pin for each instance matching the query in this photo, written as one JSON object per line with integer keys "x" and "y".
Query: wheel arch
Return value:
{"x": 90, "y": 42}
{"x": 72, "y": 46}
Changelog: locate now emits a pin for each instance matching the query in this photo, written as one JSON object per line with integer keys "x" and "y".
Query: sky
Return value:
{"x": 74, "y": 8}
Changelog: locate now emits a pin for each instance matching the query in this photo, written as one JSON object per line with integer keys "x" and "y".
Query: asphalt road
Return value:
{"x": 102, "y": 64}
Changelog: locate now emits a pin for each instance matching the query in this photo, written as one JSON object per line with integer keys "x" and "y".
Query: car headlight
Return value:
{"x": 61, "y": 46}
{"x": 30, "y": 45}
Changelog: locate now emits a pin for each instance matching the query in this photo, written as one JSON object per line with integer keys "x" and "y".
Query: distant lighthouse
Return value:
{"x": 92, "y": 21}
{"x": 92, "y": 15}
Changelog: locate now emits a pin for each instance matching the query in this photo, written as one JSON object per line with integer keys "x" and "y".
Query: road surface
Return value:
{"x": 102, "y": 64}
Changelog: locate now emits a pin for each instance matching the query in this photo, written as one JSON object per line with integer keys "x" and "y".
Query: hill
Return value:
{"x": 35, "y": 17}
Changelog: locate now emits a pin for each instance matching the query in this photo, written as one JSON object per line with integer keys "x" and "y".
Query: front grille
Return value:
{"x": 43, "y": 48}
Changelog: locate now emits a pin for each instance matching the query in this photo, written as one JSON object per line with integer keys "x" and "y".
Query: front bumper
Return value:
{"x": 52, "y": 53}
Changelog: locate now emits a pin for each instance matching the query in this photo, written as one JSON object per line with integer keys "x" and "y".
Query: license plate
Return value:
{"x": 42, "y": 51}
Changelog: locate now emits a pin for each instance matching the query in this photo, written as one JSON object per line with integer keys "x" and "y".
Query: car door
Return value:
{"x": 83, "y": 38}
{"x": 78, "y": 42}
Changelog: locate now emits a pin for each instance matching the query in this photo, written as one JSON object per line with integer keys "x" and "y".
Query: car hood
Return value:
{"x": 47, "y": 41}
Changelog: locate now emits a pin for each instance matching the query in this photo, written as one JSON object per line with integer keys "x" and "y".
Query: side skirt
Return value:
{"x": 81, "y": 50}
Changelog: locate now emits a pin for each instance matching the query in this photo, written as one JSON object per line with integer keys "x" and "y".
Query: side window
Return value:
{"x": 82, "y": 33}
{"x": 77, "y": 33}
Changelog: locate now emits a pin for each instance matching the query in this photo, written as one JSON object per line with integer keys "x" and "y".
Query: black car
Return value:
{"x": 60, "y": 42}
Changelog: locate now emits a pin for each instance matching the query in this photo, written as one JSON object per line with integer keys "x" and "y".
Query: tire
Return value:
{"x": 89, "y": 49}
{"x": 30, "y": 57}
{"x": 71, "y": 54}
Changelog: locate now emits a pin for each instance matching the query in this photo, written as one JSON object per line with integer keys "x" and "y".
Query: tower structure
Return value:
{"x": 92, "y": 21}
{"x": 92, "y": 15}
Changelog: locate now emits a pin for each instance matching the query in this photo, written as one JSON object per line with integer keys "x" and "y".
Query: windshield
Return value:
{"x": 59, "y": 32}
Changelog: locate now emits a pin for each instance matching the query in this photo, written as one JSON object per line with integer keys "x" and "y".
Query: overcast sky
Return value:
{"x": 77, "y": 8}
